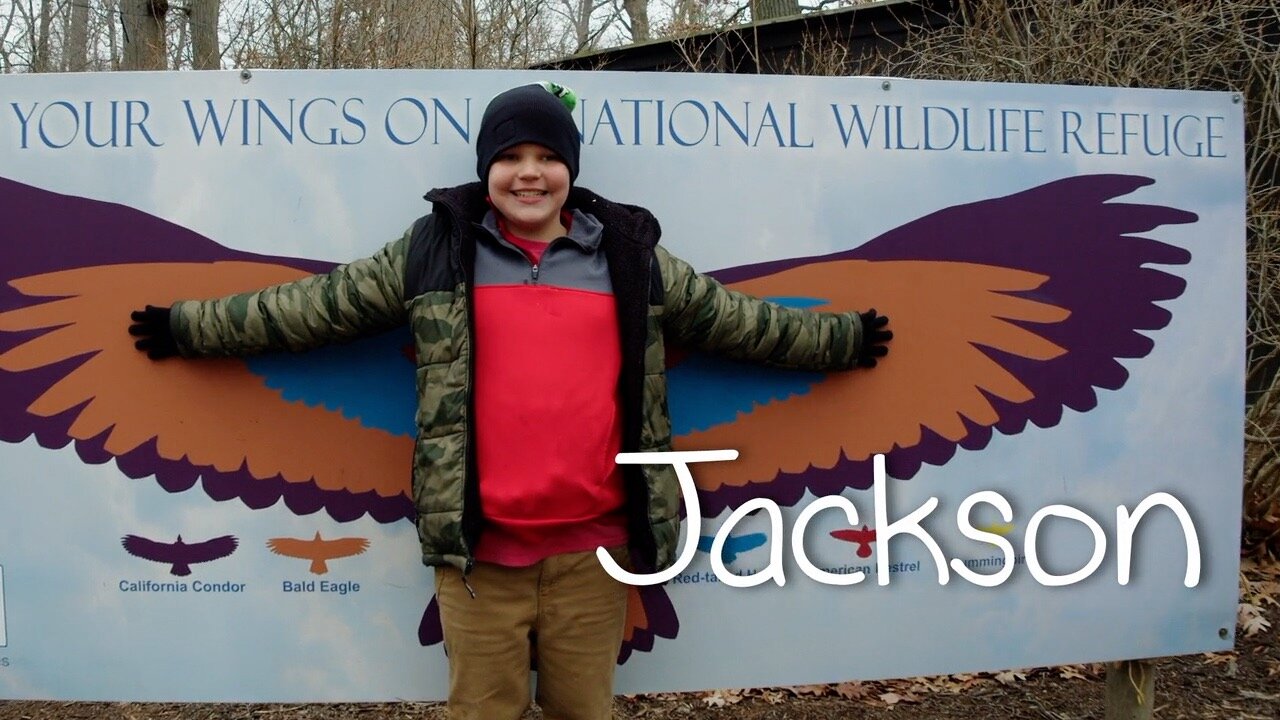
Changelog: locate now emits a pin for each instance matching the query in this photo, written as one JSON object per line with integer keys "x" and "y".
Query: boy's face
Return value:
{"x": 528, "y": 185}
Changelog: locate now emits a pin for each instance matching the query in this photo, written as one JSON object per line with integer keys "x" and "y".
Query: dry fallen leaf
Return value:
{"x": 773, "y": 696}
{"x": 1008, "y": 677}
{"x": 1071, "y": 672}
{"x": 801, "y": 690}
{"x": 852, "y": 690}
{"x": 1220, "y": 658}
{"x": 1267, "y": 593}
{"x": 1251, "y": 619}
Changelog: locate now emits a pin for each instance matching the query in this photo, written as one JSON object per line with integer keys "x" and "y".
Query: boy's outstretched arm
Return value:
{"x": 360, "y": 298}
{"x": 699, "y": 312}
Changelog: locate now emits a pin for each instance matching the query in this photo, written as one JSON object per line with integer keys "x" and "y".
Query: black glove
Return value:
{"x": 873, "y": 335}
{"x": 151, "y": 327}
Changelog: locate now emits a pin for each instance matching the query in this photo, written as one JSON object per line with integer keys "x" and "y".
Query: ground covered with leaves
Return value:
{"x": 1240, "y": 685}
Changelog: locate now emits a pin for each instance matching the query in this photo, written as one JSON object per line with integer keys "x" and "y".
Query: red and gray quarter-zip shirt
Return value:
{"x": 548, "y": 420}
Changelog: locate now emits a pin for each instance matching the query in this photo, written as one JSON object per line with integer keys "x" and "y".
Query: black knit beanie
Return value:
{"x": 528, "y": 114}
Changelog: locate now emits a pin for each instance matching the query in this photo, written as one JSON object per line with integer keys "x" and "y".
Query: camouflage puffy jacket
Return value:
{"x": 424, "y": 279}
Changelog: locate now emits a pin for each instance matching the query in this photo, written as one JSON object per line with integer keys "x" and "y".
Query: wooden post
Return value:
{"x": 1131, "y": 688}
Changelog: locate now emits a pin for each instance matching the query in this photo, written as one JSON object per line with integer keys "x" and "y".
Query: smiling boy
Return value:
{"x": 528, "y": 186}
{"x": 539, "y": 312}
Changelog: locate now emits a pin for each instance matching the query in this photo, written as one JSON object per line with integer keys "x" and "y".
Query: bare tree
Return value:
{"x": 75, "y": 54}
{"x": 40, "y": 61}
{"x": 637, "y": 19}
{"x": 144, "y": 34}
{"x": 691, "y": 16}
{"x": 32, "y": 26}
{"x": 203, "y": 18}
{"x": 354, "y": 33}
{"x": 584, "y": 24}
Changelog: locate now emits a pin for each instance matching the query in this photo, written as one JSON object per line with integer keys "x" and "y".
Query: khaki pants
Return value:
{"x": 577, "y": 612}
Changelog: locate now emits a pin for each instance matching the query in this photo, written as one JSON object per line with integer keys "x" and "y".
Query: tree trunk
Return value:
{"x": 113, "y": 45}
{"x": 40, "y": 59}
{"x": 769, "y": 9}
{"x": 638, "y": 17}
{"x": 337, "y": 22}
{"x": 144, "y": 44}
{"x": 472, "y": 21}
{"x": 205, "y": 54}
{"x": 76, "y": 53}
{"x": 582, "y": 25}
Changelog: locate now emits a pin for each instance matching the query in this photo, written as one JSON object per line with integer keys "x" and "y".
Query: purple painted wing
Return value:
{"x": 178, "y": 554}
{"x": 650, "y": 615}
{"x": 1004, "y": 311}
{"x": 148, "y": 549}
{"x": 214, "y": 549}
{"x": 71, "y": 270}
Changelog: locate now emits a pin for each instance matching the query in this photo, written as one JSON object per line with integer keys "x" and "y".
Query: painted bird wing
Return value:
{"x": 148, "y": 549}
{"x": 650, "y": 615}
{"x": 739, "y": 544}
{"x": 293, "y": 547}
{"x": 326, "y": 430}
{"x": 1004, "y": 312}
{"x": 214, "y": 549}
{"x": 341, "y": 547}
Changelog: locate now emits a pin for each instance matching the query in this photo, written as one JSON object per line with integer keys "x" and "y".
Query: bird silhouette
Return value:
{"x": 318, "y": 550}
{"x": 863, "y": 538}
{"x": 1006, "y": 311}
{"x": 734, "y": 545}
{"x": 180, "y": 555}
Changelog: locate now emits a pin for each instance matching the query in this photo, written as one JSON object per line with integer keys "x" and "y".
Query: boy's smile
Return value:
{"x": 528, "y": 186}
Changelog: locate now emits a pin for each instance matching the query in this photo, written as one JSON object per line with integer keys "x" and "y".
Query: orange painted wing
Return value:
{"x": 342, "y": 547}
{"x": 1004, "y": 312}
{"x": 69, "y": 371}
{"x": 317, "y": 549}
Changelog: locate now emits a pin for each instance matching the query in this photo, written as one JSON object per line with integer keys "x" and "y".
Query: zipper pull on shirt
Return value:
{"x": 534, "y": 270}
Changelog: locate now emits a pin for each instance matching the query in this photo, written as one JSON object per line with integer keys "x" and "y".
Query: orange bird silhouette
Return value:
{"x": 318, "y": 550}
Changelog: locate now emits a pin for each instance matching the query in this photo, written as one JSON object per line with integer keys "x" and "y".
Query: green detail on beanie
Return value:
{"x": 565, "y": 93}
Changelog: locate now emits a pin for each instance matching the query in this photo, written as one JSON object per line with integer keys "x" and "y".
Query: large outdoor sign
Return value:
{"x": 1045, "y": 469}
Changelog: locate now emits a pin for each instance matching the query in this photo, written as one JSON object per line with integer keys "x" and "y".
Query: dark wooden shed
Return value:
{"x": 784, "y": 45}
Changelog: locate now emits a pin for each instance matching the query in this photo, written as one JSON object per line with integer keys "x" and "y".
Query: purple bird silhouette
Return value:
{"x": 179, "y": 554}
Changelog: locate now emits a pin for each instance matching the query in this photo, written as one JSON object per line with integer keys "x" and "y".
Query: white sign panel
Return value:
{"x": 1059, "y": 415}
